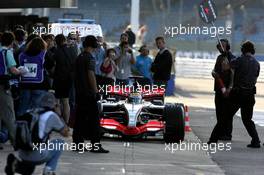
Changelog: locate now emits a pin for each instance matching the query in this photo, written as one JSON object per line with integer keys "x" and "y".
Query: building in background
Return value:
{"x": 245, "y": 16}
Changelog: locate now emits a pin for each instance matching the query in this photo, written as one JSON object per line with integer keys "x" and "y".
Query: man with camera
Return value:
{"x": 124, "y": 60}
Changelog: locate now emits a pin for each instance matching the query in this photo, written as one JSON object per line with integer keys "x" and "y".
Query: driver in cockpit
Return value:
{"x": 135, "y": 98}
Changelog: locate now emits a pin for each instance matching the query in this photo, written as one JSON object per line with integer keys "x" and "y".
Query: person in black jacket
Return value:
{"x": 161, "y": 67}
{"x": 64, "y": 58}
{"x": 242, "y": 96}
{"x": 49, "y": 62}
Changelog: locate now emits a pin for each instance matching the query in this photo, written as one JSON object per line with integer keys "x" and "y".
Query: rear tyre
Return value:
{"x": 174, "y": 123}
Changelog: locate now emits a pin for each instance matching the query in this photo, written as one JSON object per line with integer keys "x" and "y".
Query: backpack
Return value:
{"x": 27, "y": 129}
{"x": 3, "y": 135}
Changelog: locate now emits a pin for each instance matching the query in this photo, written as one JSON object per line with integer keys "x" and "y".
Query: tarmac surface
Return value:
{"x": 135, "y": 158}
{"x": 153, "y": 157}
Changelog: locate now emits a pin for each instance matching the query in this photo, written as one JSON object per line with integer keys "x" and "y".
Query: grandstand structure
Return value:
{"x": 245, "y": 16}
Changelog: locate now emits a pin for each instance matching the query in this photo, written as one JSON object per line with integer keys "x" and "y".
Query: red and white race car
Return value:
{"x": 134, "y": 114}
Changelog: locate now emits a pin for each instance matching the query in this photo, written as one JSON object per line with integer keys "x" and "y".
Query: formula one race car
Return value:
{"x": 130, "y": 113}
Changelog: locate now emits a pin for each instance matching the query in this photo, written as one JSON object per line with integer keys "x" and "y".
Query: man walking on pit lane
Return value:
{"x": 242, "y": 96}
{"x": 87, "y": 123}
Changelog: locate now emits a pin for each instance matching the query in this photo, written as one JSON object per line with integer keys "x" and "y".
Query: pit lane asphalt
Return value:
{"x": 150, "y": 157}
{"x": 240, "y": 160}
{"x": 137, "y": 158}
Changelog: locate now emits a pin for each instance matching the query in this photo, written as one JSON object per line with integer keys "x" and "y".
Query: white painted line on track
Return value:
{"x": 138, "y": 164}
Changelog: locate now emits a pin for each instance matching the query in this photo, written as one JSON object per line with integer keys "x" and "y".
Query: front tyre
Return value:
{"x": 174, "y": 123}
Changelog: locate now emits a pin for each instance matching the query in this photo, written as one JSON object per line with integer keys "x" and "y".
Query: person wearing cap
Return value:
{"x": 48, "y": 121}
{"x": 87, "y": 122}
{"x": 242, "y": 95}
{"x": 143, "y": 64}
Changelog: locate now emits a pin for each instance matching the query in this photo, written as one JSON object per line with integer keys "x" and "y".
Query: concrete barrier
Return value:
{"x": 201, "y": 68}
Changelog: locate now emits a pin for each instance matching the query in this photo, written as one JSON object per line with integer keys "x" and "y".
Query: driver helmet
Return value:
{"x": 135, "y": 98}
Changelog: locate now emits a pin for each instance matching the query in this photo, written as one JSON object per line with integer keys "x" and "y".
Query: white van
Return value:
{"x": 82, "y": 26}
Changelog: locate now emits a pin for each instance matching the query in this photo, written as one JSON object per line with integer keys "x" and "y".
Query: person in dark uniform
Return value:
{"x": 161, "y": 67}
{"x": 87, "y": 123}
{"x": 64, "y": 57}
{"x": 242, "y": 96}
{"x": 223, "y": 82}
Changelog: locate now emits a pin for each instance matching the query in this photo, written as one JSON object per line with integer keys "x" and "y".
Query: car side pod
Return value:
{"x": 187, "y": 120}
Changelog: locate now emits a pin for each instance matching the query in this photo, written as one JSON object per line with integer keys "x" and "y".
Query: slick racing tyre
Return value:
{"x": 174, "y": 123}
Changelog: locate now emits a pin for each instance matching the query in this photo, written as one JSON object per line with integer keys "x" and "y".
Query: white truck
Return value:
{"x": 83, "y": 27}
